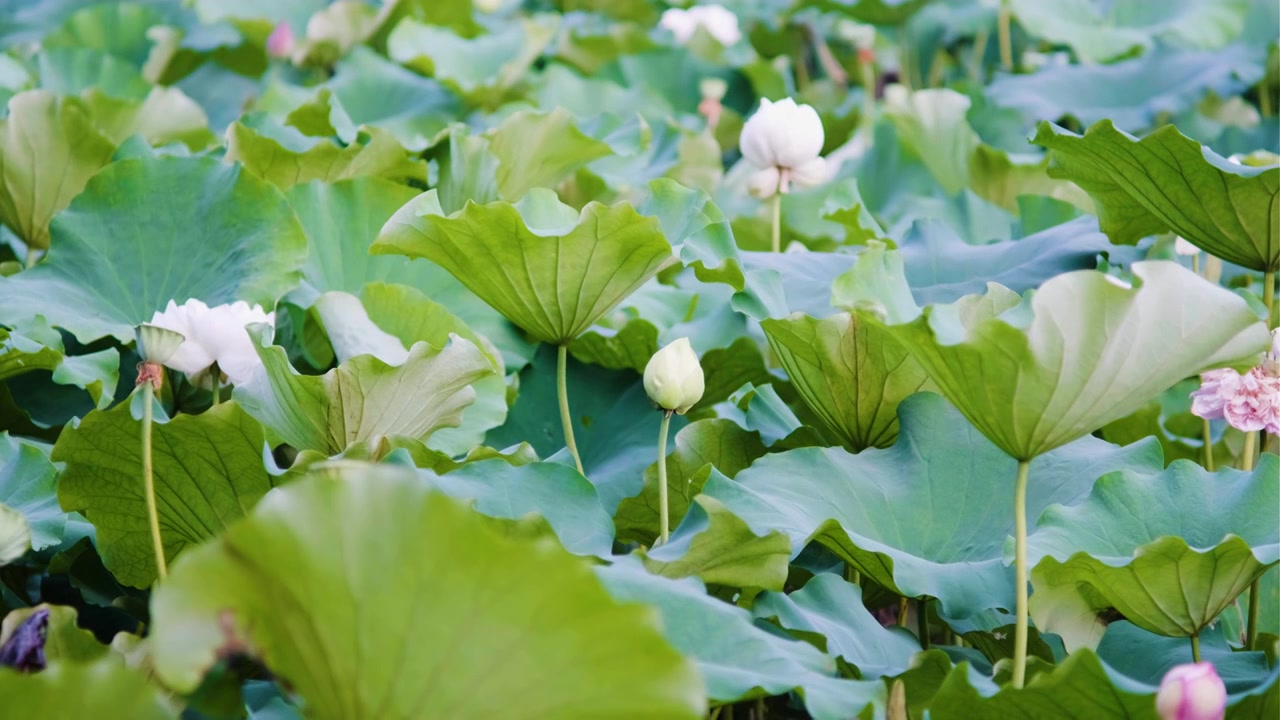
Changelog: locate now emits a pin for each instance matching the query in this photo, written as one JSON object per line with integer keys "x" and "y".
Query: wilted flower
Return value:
{"x": 1182, "y": 246}
{"x": 214, "y": 335}
{"x": 673, "y": 378}
{"x": 280, "y": 42}
{"x": 783, "y": 140}
{"x": 713, "y": 90}
{"x": 1192, "y": 692}
{"x": 718, "y": 21}
{"x": 1248, "y": 402}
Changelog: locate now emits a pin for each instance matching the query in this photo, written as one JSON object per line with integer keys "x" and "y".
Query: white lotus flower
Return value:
{"x": 718, "y": 21}
{"x": 673, "y": 378}
{"x": 783, "y": 141}
{"x": 213, "y": 335}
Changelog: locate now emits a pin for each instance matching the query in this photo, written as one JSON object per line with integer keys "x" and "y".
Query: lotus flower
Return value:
{"x": 673, "y": 378}
{"x": 1182, "y": 246}
{"x": 719, "y": 22}
{"x": 213, "y": 335}
{"x": 1192, "y": 692}
{"x": 783, "y": 140}
{"x": 1248, "y": 402}
{"x": 280, "y": 42}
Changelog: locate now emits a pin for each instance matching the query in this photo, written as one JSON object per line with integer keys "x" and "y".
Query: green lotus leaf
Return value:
{"x": 27, "y": 486}
{"x": 1131, "y": 93}
{"x": 548, "y": 269}
{"x": 385, "y": 320}
{"x": 365, "y": 398}
{"x": 740, "y": 659}
{"x": 64, "y": 642}
{"x": 700, "y": 446}
{"x": 829, "y": 606}
{"x": 932, "y": 124}
{"x": 119, "y": 29}
{"x": 1169, "y": 550}
{"x": 49, "y": 148}
{"x": 320, "y": 544}
{"x": 468, "y": 168}
{"x": 716, "y": 546}
{"x": 910, "y": 516}
{"x": 483, "y": 69}
{"x": 1081, "y": 687}
{"x": 852, "y": 374}
{"x": 208, "y": 473}
{"x": 1146, "y": 657}
{"x": 97, "y": 373}
{"x": 15, "y": 535}
{"x": 285, "y": 157}
{"x": 341, "y": 221}
{"x": 153, "y": 229}
{"x": 70, "y": 690}
{"x": 379, "y": 93}
{"x": 166, "y": 116}
{"x": 694, "y": 225}
{"x": 1033, "y": 374}
{"x": 71, "y": 71}
{"x": 778, "y": 284}
{"x": 1167, "y": 182}
{"x": 538, "y": 150}
{"x": 1100, "y": 32}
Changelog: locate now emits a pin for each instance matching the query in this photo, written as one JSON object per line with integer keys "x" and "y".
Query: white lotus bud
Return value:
{"x": 213, "y": 335}
{"x": 1192, "y": 692}
{"x": 788, "y": 138}
{"x": 1182, "y": 246}
{"x": 718, "y": 21}
{"x": 673, "y": 378}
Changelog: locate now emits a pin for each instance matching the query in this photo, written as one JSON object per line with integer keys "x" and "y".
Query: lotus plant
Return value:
{"x": 157, "y": 346}
{"x": 675, "y": 383}
{"x": 783, "y": 141}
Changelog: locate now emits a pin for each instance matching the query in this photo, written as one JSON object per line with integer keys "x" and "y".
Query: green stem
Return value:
{"x": 1269, "y": 298}
{"x": 922, "y": 622}
{"x": 149, "y": 483}
{"x": 562, "y": 388}
{"x": 1246, "y": 457}
{"x": 980, "y": 54}
{"x": 867, "y": 71}
{"x": 851, "y": 574}
{"x": 902, "y": 612}
{"x": 33, "y": 256}
{"x": 759, "y": 708}
{"x": 1208, "y": 446}
{"x": 1020, "y": 573}
{"x": 776, "y": 210}
{"x": 1251, "y": 632}
{"x": 1195, "y": 263}
{"x": 1264, "y": 99}
{"x": 1195, "y": 648}
{"x": 1006, "y": 42}
{"x": 216, "y": 376}
{"x": 664, "y": 510}
{"x": 715, "y": 713}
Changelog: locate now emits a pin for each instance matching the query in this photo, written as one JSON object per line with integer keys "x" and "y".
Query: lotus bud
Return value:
{"x": 673, "y": 378}
{"x": 1192, "y": 692}
{"x": 713, "y": 90}
{"x": 719, "y": 22}
{"x": 280, "y": 42}
{"x": 788, "y": 138}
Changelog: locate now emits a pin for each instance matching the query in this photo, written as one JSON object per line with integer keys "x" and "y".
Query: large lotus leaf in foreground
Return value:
{"x": 153, "y": 229}
{"x": 49, "y": 149}
{"x": 208, "y": 473}
{"x": 363, "y": 399}
{"x": 740, "y": 659}
{"x": 1167, "y": 182}
{"x": 351, "y": 591}
{"x": 105, "y": 688}
{"x": 1169, "y": 550}
{"x": 913, "y": 517}
{"x": 547, "y": 268}
{"x": 1035, "y": 373}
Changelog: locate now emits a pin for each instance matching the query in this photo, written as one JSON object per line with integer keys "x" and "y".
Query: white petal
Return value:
{"x": 763, "y": 183}
{"x": 814, "y": 172}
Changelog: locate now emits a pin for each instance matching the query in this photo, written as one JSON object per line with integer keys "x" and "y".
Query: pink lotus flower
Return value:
{"x": 1248, "y": 402}
{"x": 1192, "y": 692}
{"x": 280, "y": 42}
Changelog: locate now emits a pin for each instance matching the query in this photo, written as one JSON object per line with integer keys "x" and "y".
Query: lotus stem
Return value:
{"x": 1246, "y": 456}
{"x": 566, "y": 420}
{"x": 1208, "y": 446}
{"x": 776, "y": 210}
{"x": 1251, "y": 631}
{"x": 1195, "y": 647}
{"x": 1264, "y": 99}
{"x": 922, "y": 622}
{"x": 33, "y": 256}
{"x": 1269, "y": 298}
{"x": 759, "y": 708}
{"x": 1020, "y": 573}
{"x": 216, "y": 376}
{"x": 867, "y": 73}
{"x": 1006, "y": 42}
{"x": 902, "y": 612}
{"x": 149, "y": 483}
{"x": 664, "y": 509}
{"x": 1195, "y": 264}
{"x": 980, "y": 53}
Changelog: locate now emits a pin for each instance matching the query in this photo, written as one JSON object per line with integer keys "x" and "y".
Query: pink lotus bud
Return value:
{"x": 1192, "y": 692}
{"x": 280, "y": 42}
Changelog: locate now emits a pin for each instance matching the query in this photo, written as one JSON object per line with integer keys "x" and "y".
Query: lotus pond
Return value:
{"x": 629, "y": 359}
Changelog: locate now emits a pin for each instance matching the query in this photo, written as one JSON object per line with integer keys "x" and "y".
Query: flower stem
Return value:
{"x": 922, "y": 622}
{"x": 149, "y": 483}
{"x": 1208, "y": 446}
{"x": 664, "y": 510}
{"x": 1006, "y": 42}
{"x": 1269, "y": 299}
{"x": 1246, "y": 456}
{"x": 777, "y": 221}
{"x": 1020, "y": 573}
{"x": 562, "y": 388}
{"x": 867, "y": 72}
{"x": 1195, "y": 648}
{"x": 33, "y": 256}
{"x": 216, "y": 376}
{"x": 902, "y": 612}
{"x": 1251, "y": 630}
{"x": 980, "y": 54}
